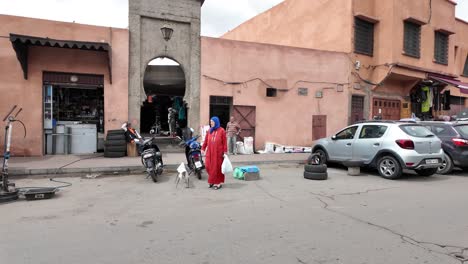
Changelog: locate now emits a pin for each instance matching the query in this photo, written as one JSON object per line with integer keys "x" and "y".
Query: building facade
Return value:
{"x": 62, "y": 74}
{"x": 397, "y": 48}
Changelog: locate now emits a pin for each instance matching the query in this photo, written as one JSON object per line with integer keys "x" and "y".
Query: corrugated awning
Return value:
{"x": 451, "y": 81}
{"x": 21, "y": 44}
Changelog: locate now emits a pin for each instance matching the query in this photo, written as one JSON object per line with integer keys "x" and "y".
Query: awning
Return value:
{"x": 451, "y": 81}
{"x": 21, "y": 44}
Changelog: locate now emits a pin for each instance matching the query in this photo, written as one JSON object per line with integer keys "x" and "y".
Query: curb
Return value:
{"x": 123, "y": 169}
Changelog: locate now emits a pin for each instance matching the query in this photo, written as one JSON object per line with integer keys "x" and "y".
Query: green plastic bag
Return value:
{"x": 238, "y": 174}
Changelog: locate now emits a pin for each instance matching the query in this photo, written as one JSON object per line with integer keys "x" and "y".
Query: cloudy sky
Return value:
{"x": 218, "y": 16}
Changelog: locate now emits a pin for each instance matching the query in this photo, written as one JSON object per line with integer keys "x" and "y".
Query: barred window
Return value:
{"x": 412, "y": 39}
{"x": 441, "y": 48}
{"x": 363, "y": 37}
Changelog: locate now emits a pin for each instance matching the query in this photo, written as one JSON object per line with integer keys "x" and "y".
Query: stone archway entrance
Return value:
{"x": 164, "y": 85}
{"x": 146, "y": 18}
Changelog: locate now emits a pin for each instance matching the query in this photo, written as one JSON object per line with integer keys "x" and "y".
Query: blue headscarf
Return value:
{"x": 215, "y": 119}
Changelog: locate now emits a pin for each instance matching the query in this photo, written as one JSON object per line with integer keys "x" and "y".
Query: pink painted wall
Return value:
{"x": 317, "y": 24}
{"x": 286, "y": 119}
{"x": 28, "y": 93}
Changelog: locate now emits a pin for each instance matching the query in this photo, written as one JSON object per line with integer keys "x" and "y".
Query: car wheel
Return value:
{"x": 447, "y": 165}
{"x": 318, "y": 157}
{"x": 315, "y": 168}
{"x": 115, "y": 142}
{"x": 389, "y": 167}
{"x": 113, "y": 148}
{"x": 426, "y": 172}
{"x": 318, "y": 176}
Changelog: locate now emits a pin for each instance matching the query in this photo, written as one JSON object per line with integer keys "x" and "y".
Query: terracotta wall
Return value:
{"x": 286, "y": 119}
{"x": 317, "y": 24}
{"x": 14, "y": 89}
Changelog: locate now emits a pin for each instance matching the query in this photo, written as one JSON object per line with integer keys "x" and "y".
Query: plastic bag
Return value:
{"x": 226, "y": 167}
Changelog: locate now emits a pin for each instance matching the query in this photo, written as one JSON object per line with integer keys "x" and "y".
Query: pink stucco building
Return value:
{"x": 67, "y": 58}
{"x": 295, "y": 73}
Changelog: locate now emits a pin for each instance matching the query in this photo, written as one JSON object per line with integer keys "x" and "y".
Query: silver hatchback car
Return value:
{"x": 388, "y": 146}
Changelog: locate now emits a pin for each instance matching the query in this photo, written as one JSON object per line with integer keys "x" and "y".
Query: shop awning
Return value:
{"x": 451, "y": 81}
{"x": 21, "y": 45}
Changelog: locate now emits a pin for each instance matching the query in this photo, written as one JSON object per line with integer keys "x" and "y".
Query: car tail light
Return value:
{"x": 405, "y": 143}
{"x": 460, "y": 142}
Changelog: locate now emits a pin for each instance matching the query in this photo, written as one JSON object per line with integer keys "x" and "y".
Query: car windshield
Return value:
{"x": 463, "y": 130}
{"x": 416, "y": 131}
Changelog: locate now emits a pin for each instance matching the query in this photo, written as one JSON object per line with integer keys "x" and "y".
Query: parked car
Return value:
{"x": 454, "y": 136}
{"x": 389, "y": 146}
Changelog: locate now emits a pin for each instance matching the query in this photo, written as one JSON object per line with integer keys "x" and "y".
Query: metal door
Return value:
{"x": 245, "y": 116}
{"x": 319, "y": 126}
{"x": 357, "y": 108}
{"x": 387, "y": 109}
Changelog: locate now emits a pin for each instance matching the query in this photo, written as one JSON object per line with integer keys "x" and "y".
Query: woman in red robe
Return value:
{"x": 215, "y": 146}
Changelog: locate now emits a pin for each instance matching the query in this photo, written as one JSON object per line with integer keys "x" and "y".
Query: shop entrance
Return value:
{"x": 164, "y": 111}
{"x": 221, "y": 107}
{"x": 73, "y": 110}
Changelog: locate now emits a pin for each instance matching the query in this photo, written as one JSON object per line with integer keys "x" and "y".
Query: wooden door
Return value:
{"x": 357, "y": 108}
{"x": 245, "y": 116}
{"x": 319, "y": 126}
{"x": 387, "y": 109}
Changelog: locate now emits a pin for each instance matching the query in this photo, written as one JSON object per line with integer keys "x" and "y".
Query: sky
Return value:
{"x": 218, "y": 16}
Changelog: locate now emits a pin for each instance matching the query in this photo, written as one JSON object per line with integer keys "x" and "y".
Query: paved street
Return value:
{"x": 282, "y": 218}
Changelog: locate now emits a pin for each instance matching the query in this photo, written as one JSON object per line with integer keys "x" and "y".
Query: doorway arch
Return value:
{"x": 164, "y": 84}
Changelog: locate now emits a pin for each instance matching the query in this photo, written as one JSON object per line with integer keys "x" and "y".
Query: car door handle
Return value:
{"x": 376, "y": 144}
{"x": 348, "y": 144}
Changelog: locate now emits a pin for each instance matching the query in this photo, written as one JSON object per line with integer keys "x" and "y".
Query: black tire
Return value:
{"x": 389, "y": 167}
{"x": 315, "y": 168}
{"x": 322, "y": 157}
{"x": 427, "y": 172}
{"x": 318, "y": 176}
{"x": 447, "y": 166}
{"x": 117, "y": 154}
{"x": 153, "y": 175}
{"x": 116, "y": 132}
{"x": 115, "y": 137}
{"x": 119, "y": 142}
{"x": 112, "y": 148}
{"x": 198, "y": 173}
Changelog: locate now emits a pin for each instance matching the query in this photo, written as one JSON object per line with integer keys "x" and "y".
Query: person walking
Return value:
{"x": 233, "y": 130}
{"x": 215, "y": 147}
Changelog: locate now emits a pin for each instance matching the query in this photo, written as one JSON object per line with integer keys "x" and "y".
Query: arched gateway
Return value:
{"x": 164, "y": 29}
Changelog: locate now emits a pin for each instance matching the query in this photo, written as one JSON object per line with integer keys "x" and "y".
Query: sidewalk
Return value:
{"x": 96, "y": 163}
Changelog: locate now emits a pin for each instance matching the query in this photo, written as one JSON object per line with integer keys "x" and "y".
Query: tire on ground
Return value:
{"x": 109, "y": 154}
{"x": 318, "y": 176}
{"x": 448, "y": 165}
{"x": 116, "y": 142}
{"x": 115, "y": 131}
{"x": 113, "y": 148}
{"x": 315, "y": 168}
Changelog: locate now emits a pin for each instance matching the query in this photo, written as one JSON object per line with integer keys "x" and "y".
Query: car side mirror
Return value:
{"x": 333, "y": 137}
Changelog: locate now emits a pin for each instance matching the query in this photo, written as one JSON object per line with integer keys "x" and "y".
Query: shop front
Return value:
{"x": 73, "y": 113}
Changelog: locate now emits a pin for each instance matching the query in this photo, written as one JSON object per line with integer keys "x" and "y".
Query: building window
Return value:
{"x": 363, "y": 37}
{"x": 271, "y": 92}
{"x": 412, "y": 39}
{"x": 465, "y": 70}
{"x": 441, "y": 48}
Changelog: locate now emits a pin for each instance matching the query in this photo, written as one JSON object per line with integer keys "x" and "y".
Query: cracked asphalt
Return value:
{"x": 282, "y": 218}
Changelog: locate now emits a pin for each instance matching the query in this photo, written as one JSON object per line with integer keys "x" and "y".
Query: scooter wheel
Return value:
{"x": 199, "y": 174}
{"x": 154, "y": 176}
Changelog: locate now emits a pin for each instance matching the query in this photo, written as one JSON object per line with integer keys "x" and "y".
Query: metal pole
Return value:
{"x": 6, "y": 156}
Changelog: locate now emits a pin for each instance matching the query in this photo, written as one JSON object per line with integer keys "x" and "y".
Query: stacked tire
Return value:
{"x": 115, "y": 145}
{"x": 315, "y": 170}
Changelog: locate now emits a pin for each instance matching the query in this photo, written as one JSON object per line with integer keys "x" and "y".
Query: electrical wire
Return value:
{"x": 430, "y": 12}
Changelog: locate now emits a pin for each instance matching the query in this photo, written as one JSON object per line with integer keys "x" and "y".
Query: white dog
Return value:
{"x": 183, "y": 175}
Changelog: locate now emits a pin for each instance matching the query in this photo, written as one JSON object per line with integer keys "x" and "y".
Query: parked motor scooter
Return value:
{"x": 194, "y": 156}
{"x": 151, "y": 157}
